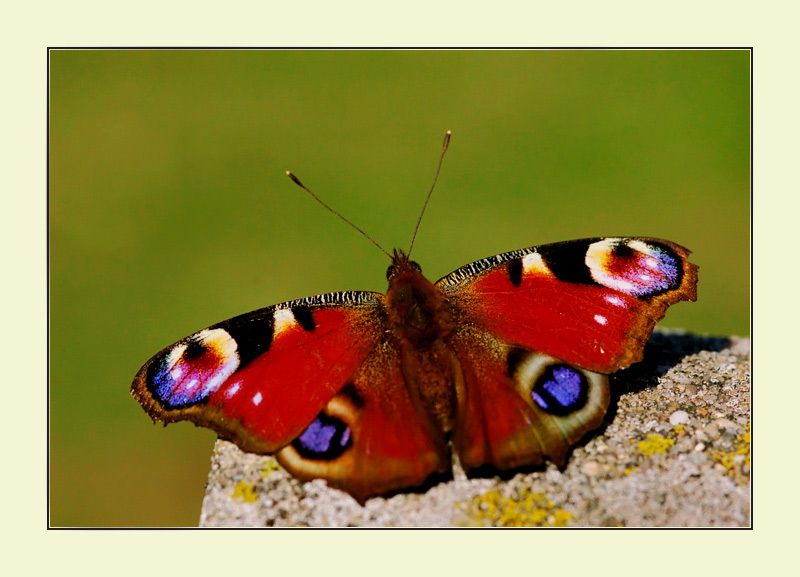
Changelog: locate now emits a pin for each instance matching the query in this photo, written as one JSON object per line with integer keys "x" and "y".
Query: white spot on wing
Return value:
{"x": 233, "y": 389}
{"x": 601, "y": 319}
{"x": 284, "y": 319}
{"x": 533, "y": 263}
{"x": 257, "y": 399}
{"x": 596, "y": 255}
{"x": 615, "y": 300}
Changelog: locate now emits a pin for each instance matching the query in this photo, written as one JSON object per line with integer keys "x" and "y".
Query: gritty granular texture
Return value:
{"x": 674, "y": 451}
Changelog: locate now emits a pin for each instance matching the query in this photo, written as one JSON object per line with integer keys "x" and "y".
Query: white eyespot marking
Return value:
{"x": 600, "y": 319}
{"x": 174, "y": 356}
{"x": 534, "y": 264}
{"x": 632, "y": 266}
{"x": 257, "y": 399}
{"x": 219, "y": 343}
{"x": 600, "y": 260}
{"x": 197, "y": 367}
{"x": 284, "y": 319}
{"x": 625, "y": 286}
{"x": 641, "y": 247}
{"x": 176, "y": 373}
{"x": 233, "y": 389}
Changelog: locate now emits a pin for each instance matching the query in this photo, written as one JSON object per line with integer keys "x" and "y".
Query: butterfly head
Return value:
{"x": 415, "y": 306}
{"x": 401, "y": 264}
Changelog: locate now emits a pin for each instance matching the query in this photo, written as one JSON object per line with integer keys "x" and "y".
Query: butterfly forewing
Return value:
{"x": 261, "y": 378}
{"x": 592, "y": 303}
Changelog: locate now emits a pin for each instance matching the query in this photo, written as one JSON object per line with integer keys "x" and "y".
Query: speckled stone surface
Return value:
{"x": 673, "y": 451}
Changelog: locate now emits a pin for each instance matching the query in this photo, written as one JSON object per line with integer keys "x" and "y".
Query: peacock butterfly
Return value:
{"x": 504, "y": 361}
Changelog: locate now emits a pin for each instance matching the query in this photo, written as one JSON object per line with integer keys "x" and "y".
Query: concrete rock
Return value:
{"x": 644, "y": 467}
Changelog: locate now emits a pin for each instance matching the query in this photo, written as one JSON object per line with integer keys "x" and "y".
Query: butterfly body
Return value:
{"x": 420, "y": 322}
{"x": 504, "y": 361}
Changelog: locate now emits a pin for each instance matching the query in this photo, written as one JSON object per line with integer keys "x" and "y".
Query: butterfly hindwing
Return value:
{"x": 519, "y": 406}
{"x": 592, "y": 303}
{"x": 380, "y": 439}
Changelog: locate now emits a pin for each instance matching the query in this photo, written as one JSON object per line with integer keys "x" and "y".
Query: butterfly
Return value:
{"x": 504, "y": 361}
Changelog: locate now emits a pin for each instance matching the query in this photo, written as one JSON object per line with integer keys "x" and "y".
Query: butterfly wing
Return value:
{"x": 390, "y": 442}
{"x": 538, "y": 329}
{"x": 314, "y": 379}
{"x": 518, "y": 406}
{"x": 592, "y": 303}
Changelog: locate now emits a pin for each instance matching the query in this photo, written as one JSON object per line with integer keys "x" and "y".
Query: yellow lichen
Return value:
{"x": 528, "y": 509}
{"x": 272, "y": 465}
{"x": 245, "y": 491}
{"x": 654, "y": 444}
{"x": 736, "y": 466}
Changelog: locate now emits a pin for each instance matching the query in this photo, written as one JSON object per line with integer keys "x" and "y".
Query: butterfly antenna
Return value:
{"x": 427, "y": 198}
{"x": 319, "y": 200}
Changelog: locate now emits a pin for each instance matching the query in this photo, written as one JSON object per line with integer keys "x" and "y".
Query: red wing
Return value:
{"x": 371, "y": 438}
{"x": 517, "y": 407}
{"x": 591, "y": 303}
{"x": 259, "y": 379}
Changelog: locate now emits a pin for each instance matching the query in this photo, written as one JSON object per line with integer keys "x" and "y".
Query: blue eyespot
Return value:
{"x": 175, "y": 385}
{"x": 325, "y": 438}
{"x": 561, "y": 390}
{"x": 189, "y": 372}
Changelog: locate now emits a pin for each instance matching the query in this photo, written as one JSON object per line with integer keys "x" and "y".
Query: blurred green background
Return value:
{"x": 170, "y": 210}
